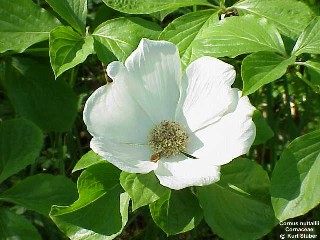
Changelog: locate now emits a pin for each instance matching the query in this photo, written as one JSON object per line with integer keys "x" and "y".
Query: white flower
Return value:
{"x": 182, "y": 128}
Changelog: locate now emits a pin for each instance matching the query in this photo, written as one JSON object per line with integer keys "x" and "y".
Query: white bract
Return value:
{"x": 181, "y": 127}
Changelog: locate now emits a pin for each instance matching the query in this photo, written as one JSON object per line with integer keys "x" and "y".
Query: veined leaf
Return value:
{"x": 21, "y": 142}
{"x": 289, "y": 16}
{"x": 68, "y": 49}
{"x": 23, "y": 23}
{"x": 101, "y": 211}
{"x": 176, "y": 212}
{"x": 294, "y": 182}
{"x": 150, "y": 6}
{"x": 240, "y": 200}
{"x": 117, "y": 38}
{"x": 142, "y": 188}
{"x": 309, "y": 40}
{"x": 183, "y": 31}
{"x": 234, "y": 36}
{"x": 73, "y": 11}
{"x": 87, "y": 160}
{"x": 261, "y": 68}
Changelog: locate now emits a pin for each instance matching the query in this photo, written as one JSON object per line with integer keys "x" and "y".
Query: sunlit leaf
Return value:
{"x": 183, "y": 31}
{"x": 88, "y": 159}
{"x": 73, "y": 11}
{"x": 289, "y": 16}
{"x": 117, "y": 38}
{"x": 176, "y": 212}
{"x": 142, "y": 188}
{"x": 261, "y": 68}
{"x": 234, "y": 36}
{"x": 309, "y": 40}
{"x": 23, "y": 23}
{"x": 150, "y": 6}
{"x": 68, "y": 49}
{"x": 101, "y": 211}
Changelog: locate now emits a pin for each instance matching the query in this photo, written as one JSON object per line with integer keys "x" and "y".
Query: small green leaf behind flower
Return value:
{"x": 142, "y": 188}
{"x": 177, "y": 211}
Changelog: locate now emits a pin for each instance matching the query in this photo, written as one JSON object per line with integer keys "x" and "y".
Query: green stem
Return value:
{"x": 272, "y": 123}
{"x": 291, "y": 123}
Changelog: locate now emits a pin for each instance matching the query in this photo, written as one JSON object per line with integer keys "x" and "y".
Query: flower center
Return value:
{"x": 167, "y": 139}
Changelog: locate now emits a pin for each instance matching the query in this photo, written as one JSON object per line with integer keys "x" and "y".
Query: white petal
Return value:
{"x": 112, "y": 113}
{"x": 230, "y": 137}
{"x": 206, "y": 94}
{"x": 181, "y": 172}
{"x": 132, "y": 158}
{"x": 155, "y": 69}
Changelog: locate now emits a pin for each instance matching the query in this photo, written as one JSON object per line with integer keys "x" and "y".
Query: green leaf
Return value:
{"x": 142, "y": 188}
{"x": 23, "y": 23}
{"x": 176, "y": 212}
{"x": 72, "y": 11}
{"x": 87, "y": 160}
{"x": 183, "y": 31}
{"x": 68, "y": 49}
{"x": 238, "y": 206}
{"x": 289, "y": 16}
{"x": 14, "y": 226}
{"x": 150, "y": 6}
{"x": 264, "y": 132}
{"x": 309, "y": 40}
{"x": 21, "y": 142}
{"x": 261, "y": 68}
{"x": 117, "y": 38}
{"x": 313, "y": 66}
{"x": 234, "y": 36}
{"x": 101, "y": 211}
{"x": 35, "y": 95}
{"x": 294, "y": 182}
{"x": 40, "y": 192}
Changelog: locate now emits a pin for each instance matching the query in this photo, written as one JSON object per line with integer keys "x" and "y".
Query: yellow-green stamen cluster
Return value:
{"x": 168, "y": 139}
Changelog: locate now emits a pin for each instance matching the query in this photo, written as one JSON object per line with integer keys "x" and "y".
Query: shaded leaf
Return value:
{"x": 264, "y": 132}
{"x": 294, "y": 182}
{"x": 14, "y": 226}
{"x": 240, "y": 201}
{"x": 35, "y": 95}
{"x": 21, "y": 142}
{"x": 40, "y": 192}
